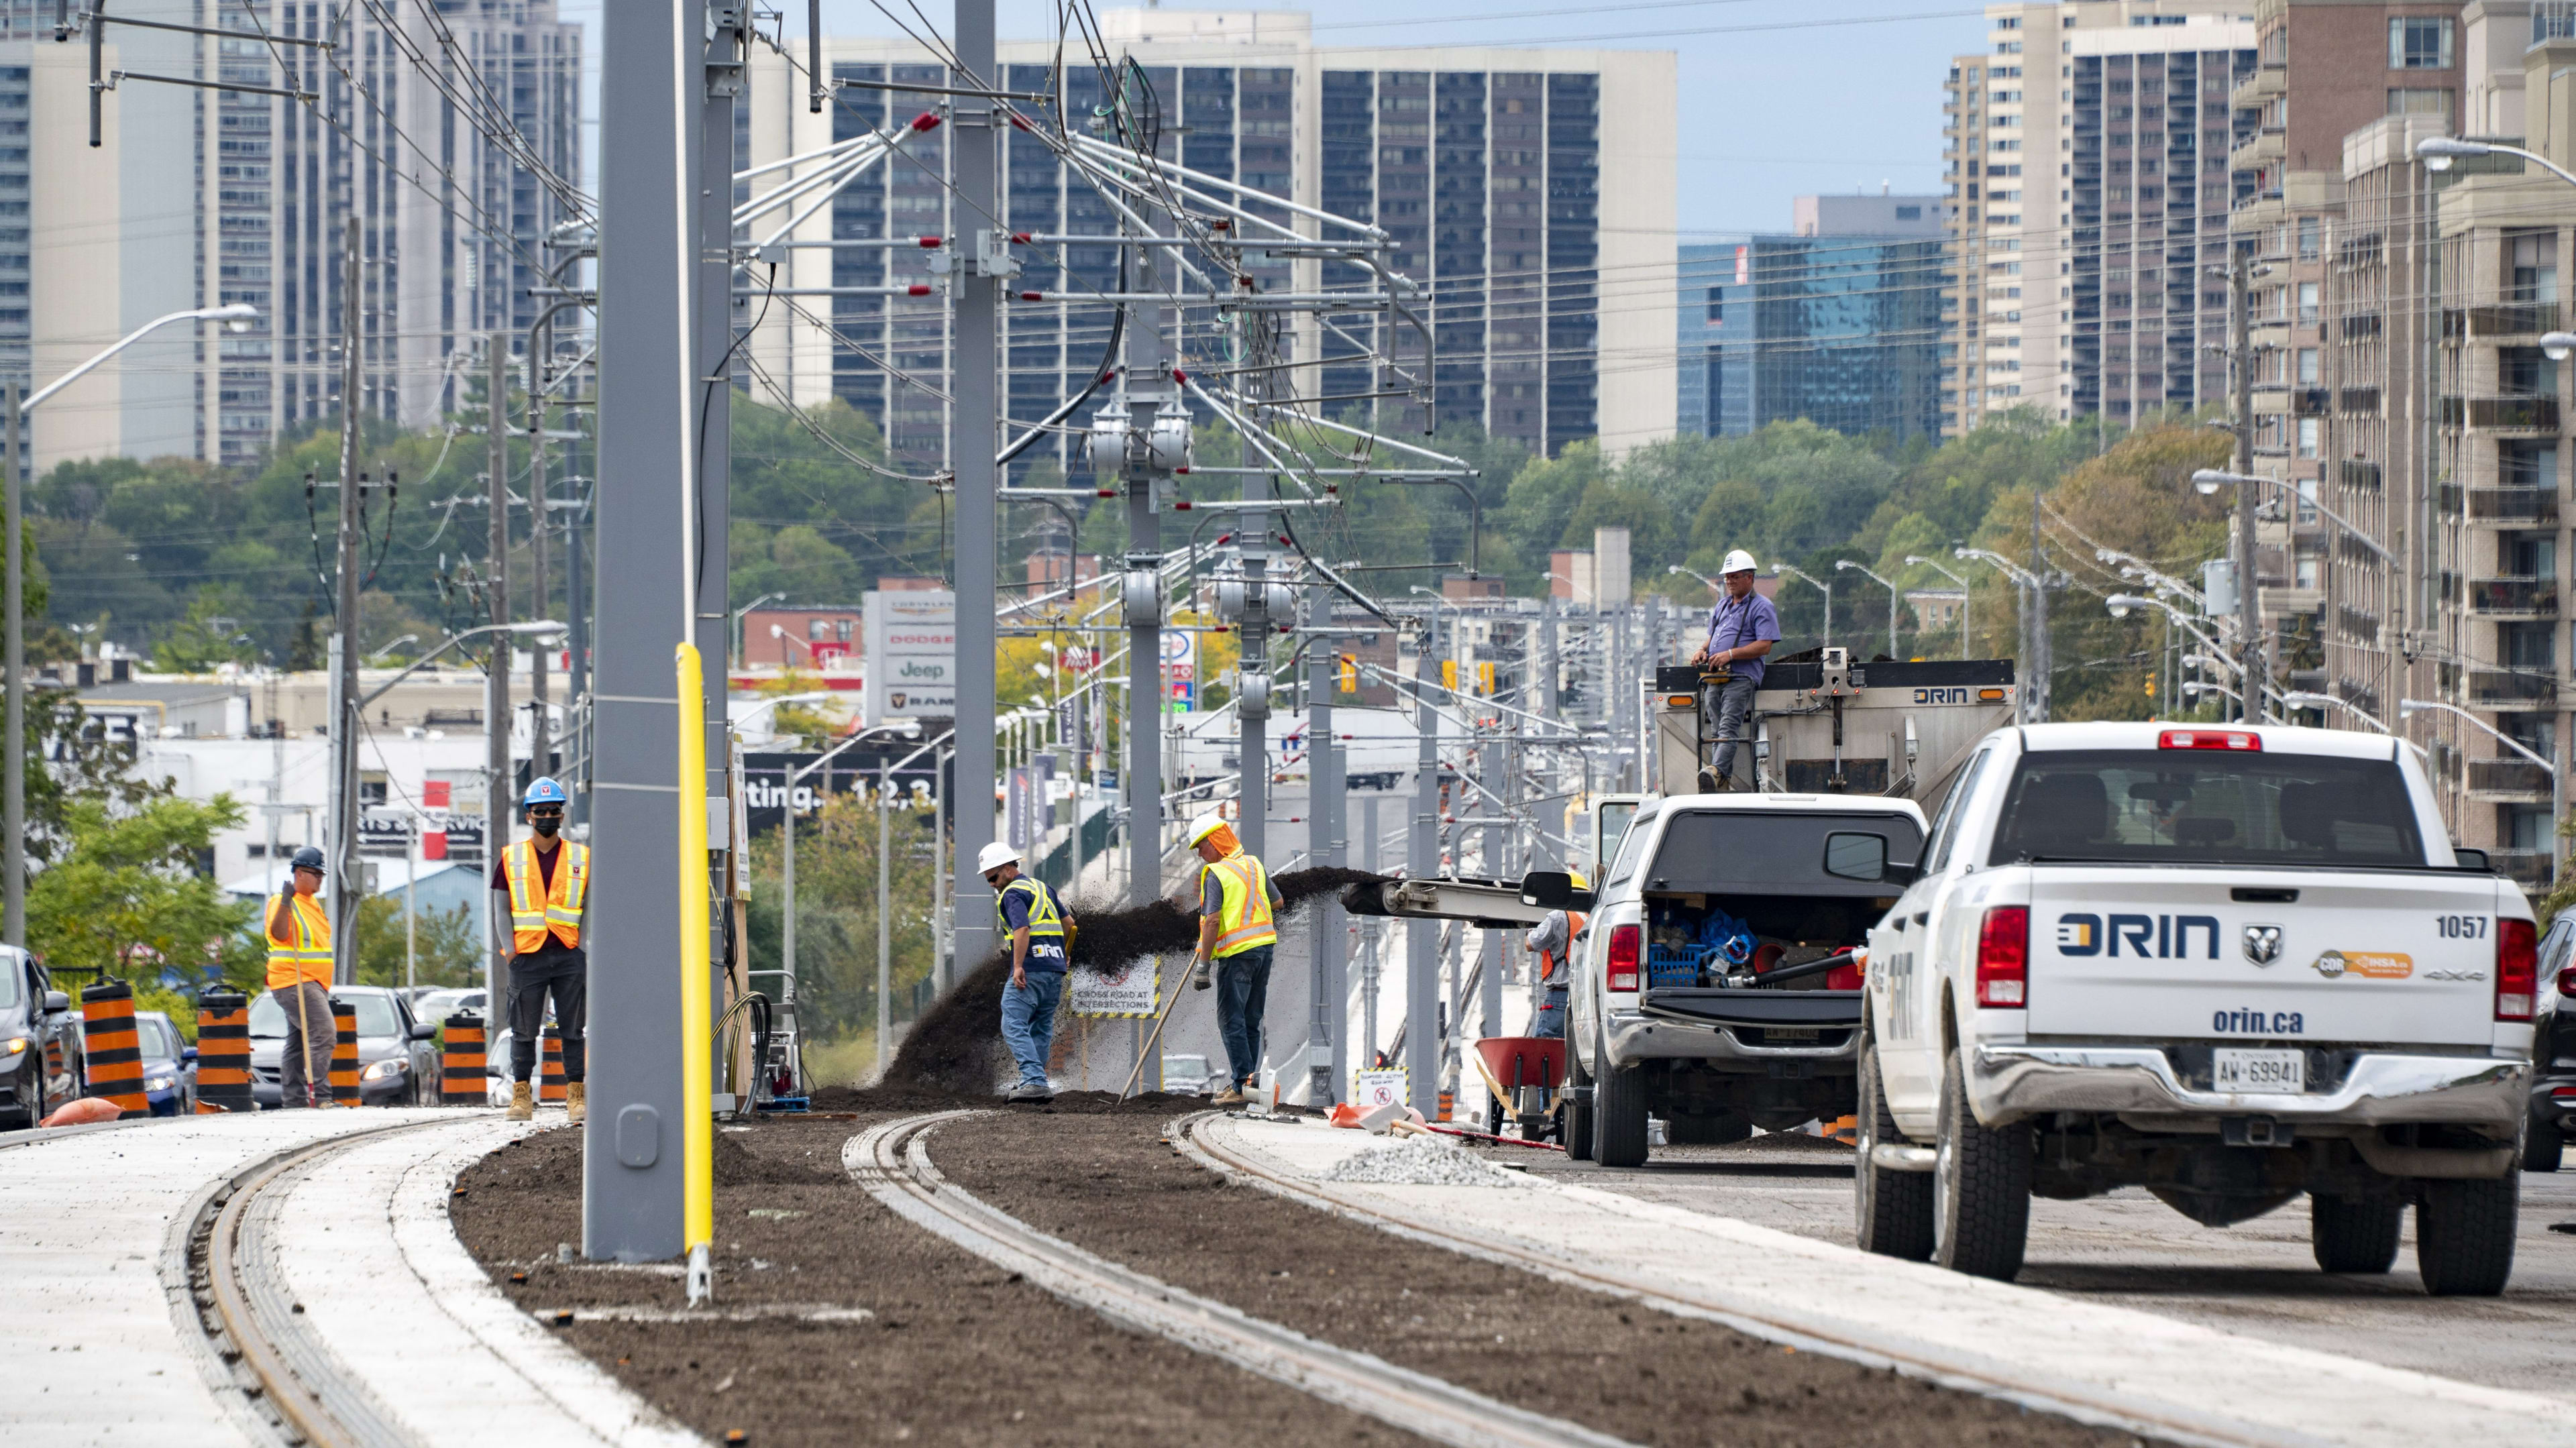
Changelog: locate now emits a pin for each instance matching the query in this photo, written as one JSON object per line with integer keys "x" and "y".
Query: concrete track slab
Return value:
{"x": 364, "y": 1241}
{"x": 85, "y": 1316}
{"x": 2198, "y": 1380}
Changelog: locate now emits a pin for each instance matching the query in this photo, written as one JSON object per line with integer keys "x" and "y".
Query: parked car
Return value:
{"x": 397, "y": 1055}
{"x": 41, "y": 1063}
{"x": 2553, "y": 1051}
{"x": 2230, "y": 965}
{"x": 169, "y": 1065}
{"x": 435, "y": 1004}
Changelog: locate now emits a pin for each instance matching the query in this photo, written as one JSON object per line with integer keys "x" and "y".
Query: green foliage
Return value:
{"x": 449, "y": 950}
{"x": 125, "y": 898}
{"x": 836, "y": 913}
{"x": 208, "y": 636}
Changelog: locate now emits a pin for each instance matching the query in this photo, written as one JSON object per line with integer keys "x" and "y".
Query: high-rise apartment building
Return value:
{"x": 2087, "y": 154}
{"x": 1837, "y": 321}
{"x": 451, "y": 131}
{"x": 1535, "y": 212}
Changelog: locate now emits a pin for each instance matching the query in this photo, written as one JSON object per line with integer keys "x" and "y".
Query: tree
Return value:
{"x": 208, "y": 636}
{"x": 126, "y": 898}
{"x": 836, "y": 922}
{"x": 449, "y": 949}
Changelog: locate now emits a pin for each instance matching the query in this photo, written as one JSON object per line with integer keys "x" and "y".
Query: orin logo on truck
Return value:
{"x": 2157, "y": 937}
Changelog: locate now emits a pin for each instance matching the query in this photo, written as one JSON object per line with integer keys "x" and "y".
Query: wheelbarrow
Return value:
{"x": 1522, "y": 1074}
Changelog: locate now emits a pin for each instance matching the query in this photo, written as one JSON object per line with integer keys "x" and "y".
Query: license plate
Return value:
{"x": 2274, "y": 1071}
{"x": 1785, "y": 1034}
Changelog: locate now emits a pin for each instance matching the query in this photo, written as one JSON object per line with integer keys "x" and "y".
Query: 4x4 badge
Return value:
{"x": 2262, "y": 943}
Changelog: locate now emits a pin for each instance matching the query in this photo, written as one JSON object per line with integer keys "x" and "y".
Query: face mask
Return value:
{"x": 545, "y": 826}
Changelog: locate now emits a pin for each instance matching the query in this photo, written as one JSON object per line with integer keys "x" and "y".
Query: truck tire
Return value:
{"x": 1981, "y": 1187}
{"x": 1891, "y": 1210}
{"x": 2354, "y": 1234}
{"x": 1714, "y": 1129}
{"x": 1619, "y": 1114}
{"x": 2464, "y": 1235}
{"x": 2543, "y": 1145}
{"x": 1576, "y": 1115}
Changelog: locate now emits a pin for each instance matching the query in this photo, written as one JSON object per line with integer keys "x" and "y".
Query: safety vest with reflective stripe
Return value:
{"x": 1243, "y": 908}
{"x": 558, "y": 908}
{"x": 306, "y": 952}
{"x": 1574, "y": 923}
{"x": 1046, "y": 917}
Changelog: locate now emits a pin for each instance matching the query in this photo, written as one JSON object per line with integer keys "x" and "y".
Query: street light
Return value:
{"x": 2304, "y": 699}
{"x": 389, "y": 648}
{"x": 538, "y": 626}
{"x": 1966, "y": 594}
{"x": 2034, "y": 656}
{"x": 1828, "y": 635}
{"x": 1713, "y": 585}
{"x": 2438, "y": 152}
{"x": 744, "y": 646}
{"x": 2409, "y": 708}
{"x": 236, "y": 316}
{"x": 2210, "y": 480}
{"x": 2557, "y": 345}
{"x": 1840, "y": 564}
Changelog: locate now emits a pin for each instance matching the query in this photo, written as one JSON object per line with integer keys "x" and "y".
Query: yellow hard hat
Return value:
{"x": 1580, "y": 883}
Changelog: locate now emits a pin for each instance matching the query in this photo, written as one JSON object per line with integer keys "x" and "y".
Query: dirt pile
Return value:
{"x": 952, "y": 1049}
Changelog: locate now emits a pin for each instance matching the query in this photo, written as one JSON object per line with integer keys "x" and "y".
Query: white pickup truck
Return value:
{"x": 2229, "y": 965}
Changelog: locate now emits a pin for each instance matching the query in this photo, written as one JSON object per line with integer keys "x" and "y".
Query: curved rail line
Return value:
{"x": 258, "y": 1335}
{"x": 892, "y": 1162}
{"x": 1191, "y": 1140}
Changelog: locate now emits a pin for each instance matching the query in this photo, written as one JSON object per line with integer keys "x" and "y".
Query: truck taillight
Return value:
{"x": 2517, "y": 969}
{"x": 2567, "y": 982}
{"x": 1619, "y": 966}
{"x": 2210, "y": 739}
{"x": 2003, "y": 958}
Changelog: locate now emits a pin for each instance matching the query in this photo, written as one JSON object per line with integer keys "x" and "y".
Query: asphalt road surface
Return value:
{"x": 2256, "y": 1277}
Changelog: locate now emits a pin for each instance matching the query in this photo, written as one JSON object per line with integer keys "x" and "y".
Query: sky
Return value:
{"x": 1779, "y": 98}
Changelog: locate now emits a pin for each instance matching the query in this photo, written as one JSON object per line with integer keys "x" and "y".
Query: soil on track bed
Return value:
{"x": 958, "y": 1351}
{"x": 1104, "y": 1182}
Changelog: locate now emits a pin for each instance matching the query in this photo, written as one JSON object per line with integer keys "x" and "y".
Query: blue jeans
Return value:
{"x": 1028, "y": 1023}
{"x": 1242, "y": 989}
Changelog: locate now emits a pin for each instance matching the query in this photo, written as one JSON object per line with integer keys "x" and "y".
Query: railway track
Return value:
{"x": 892, "y": 1162}
{"x": 286, "y": 1383}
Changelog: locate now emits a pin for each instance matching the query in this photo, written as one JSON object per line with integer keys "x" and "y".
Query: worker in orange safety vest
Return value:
{"x": 1238, "y": 915}
{"x": 299, "y": 978}
{"x": 1553, "y": 940}
{"x": 548, "y": 880}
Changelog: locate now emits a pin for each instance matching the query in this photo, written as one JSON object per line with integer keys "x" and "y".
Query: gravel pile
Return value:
{"x": 1419, "y": 1161}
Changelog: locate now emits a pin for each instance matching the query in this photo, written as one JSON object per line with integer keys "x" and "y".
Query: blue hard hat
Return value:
{"x": 545, "y": 791}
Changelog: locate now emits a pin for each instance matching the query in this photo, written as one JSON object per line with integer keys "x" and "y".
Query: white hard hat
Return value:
{"x": 994, "y": 856}
{"x": 1207, "y": 825}
{"x": 1738, "y": 561}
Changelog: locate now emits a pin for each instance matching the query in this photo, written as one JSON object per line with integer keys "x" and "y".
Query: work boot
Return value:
{"x": 576, "y": 1110}
{"x": 523, "y": 1103}
{"x": 1709, "y": 783}
{"x": 1033, "y": 1091}
{"x": 1232, "y": 1095}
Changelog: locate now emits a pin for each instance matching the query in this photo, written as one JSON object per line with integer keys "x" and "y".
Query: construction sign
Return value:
{"x": 1133, "y": 989}
{"x": 1374, "y": 1088}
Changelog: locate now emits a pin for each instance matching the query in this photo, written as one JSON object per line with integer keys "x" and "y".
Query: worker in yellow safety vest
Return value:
{"x": 548, "y": 880}
{"x": 299, "y": 978}
{"x": 1553, "y": 940}
{"x": 1040, "y": 931}
{"x": 1237, "y": 912}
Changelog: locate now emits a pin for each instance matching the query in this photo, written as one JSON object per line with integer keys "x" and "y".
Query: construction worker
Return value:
{"x": 1553, "y": 940}
{"x": 1237, "y": 909}
{"x": 299, "y": 976}
{"x": 548, "y": 880}
{"x": 1741, "y": 629}
{"x": 1041, "y": 932}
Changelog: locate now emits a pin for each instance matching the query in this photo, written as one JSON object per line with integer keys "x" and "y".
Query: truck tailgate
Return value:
{"x": 2151, "y": 952}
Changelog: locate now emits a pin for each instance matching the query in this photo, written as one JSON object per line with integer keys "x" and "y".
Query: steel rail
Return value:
{"x": 892, "y": 1162}
{"x": 252, "y": 1319}
{"x": 2049, "y": 1396}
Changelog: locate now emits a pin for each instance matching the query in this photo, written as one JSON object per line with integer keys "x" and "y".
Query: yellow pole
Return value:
{"x": 697, "y": 1126}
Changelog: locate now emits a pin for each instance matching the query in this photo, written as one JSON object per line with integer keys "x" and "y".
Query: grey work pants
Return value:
{"x": 310, "y": 1035}
{"x": 1734, "y": 707}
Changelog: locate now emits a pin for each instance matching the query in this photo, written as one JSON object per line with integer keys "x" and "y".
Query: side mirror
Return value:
{"x": 423, "y": 1031}
{"x": 2471, "y": 858}
{"x": 187, "y": 1053}
{"x": 57, "y": 1003}
{"x": 1854, "y": 856}
{"x": 1554, "y": 890}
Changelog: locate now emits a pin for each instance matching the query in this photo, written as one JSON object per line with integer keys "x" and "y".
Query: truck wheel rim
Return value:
{"x": 1944, "y": 1173}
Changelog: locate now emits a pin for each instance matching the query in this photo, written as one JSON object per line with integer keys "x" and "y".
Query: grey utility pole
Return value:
{"x": 1252, "y": 672}
{"x": 649, "y": 391}
{"x": 496, "y": 675}
{"x": 2249, "y": 706}
{"x": 540, "y": 732}
{"x": 971, "y": 446}
{"x": 13, "y": 810}
{"x": 1546, "y": 680}
{"x": 726, "y": 63}
{"x": 1422, "y": 937}
{"x": 348, "y": 886}
{"x": 1327, "y": 1035}
{"x": 1147, "y": 390}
